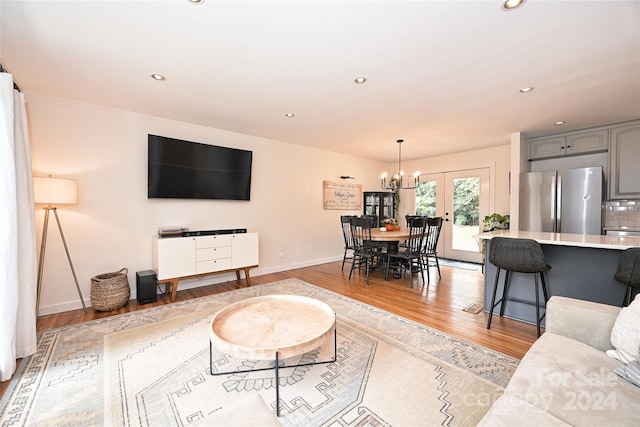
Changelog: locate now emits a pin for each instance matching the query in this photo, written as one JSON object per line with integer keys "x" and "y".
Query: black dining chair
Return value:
{"x": 365, "y": 253}
{"x": 373, "y": 219}
{"x": 345, "y": 221}
{"x": 409, "y": 258}
{"x": 407, "y": 219}
{"x": 379, "y": 246}
{"x": 628, "y": 273}
{"x": 430, "y": 248}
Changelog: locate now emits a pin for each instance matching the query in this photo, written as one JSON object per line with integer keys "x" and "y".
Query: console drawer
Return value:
{"x": 213, "y": 241}
{"x": 213, "y": 265}
{"x": 213, "y": 253}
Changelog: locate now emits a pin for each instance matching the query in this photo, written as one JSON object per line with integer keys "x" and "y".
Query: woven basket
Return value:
{"x": 110, "y": 290}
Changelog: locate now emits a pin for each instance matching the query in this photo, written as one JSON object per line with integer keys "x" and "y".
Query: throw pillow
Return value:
{"x": 625, "y": 335}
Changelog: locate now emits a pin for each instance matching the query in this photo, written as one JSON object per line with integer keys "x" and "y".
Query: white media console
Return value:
{"x": 176, "y": 258}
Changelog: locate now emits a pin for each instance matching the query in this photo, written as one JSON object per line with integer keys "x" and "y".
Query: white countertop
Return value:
{"x": 565, "y": 239}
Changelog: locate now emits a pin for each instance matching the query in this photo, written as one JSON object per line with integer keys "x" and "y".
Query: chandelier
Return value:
{"x": 396, "y": 183}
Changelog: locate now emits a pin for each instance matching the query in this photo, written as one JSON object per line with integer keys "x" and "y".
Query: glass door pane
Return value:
{"x": 466, "y": 201}
{"x": 387, "y": 207}
{"x": 426, "y": 193}
{"x": 430, "y": 200}
{"x": 466, "y": 213}
{"x": 371, "y": 203}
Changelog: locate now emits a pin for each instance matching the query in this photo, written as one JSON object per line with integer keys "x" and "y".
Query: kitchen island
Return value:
{"x": 582, "y": 266}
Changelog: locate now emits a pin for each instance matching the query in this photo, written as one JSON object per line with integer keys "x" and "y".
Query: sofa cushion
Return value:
{"x": 585, "y": 321}
{"x": 625, "y": 335}
{"x": 575, "y": 383}
{"x": 509, "y": 411}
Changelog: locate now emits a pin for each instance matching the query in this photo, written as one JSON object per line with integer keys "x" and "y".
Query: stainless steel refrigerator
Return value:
{"x": 562, "y": 201}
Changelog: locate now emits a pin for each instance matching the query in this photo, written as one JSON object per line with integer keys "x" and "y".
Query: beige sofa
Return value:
{"x": 566, "y": 378}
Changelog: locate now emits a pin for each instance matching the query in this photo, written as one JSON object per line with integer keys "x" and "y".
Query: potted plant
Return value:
{"x": 492, "y": 222}
{"x": 394, "y": 183}
{"x": 495, "y": 221}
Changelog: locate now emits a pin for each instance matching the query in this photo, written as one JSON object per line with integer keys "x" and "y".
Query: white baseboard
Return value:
{"x": 192, "y": 283}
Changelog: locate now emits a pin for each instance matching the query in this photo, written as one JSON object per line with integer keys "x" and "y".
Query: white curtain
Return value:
{"x": 17, "y": 233}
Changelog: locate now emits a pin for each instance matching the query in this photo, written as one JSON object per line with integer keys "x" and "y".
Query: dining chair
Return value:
{"x": 408, "y": 218}
{"x": 430, "y": 248}
{"x": 345, "y": 221}
{"x": 373, "y": 219}
{"x": 379, "y": 246}
{"x": 365, "y": 253}
{"x": 409, "y": 258}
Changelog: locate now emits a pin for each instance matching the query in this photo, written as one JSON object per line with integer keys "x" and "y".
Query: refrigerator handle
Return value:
{"x": 552, "y": 199}
{"x": 559, "y": 205}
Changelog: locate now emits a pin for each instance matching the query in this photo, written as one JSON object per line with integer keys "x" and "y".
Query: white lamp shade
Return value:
{"x": 55, "y": 191}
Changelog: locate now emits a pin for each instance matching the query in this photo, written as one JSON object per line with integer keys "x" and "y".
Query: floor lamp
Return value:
{"x": 54, "y": 191}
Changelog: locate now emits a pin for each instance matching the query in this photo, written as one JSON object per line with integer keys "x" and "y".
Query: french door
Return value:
{"x": 462, "y": 199}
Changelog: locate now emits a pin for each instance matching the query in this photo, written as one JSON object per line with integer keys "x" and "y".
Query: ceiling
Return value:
{"x": 442, "y": 75}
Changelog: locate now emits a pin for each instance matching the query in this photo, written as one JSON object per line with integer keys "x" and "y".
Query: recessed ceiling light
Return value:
{"x": 561, "y": 122}
{"x": 512, "y": 4}
{"x": 156, "y": 76}
{"x": 196, "y": 1}
{"x": 289, "y": 115}
{"x": 526, "y": 89}
{"x": 360, "y": 80}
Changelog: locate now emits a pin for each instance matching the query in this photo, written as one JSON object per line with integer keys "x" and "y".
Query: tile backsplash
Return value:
{"x": 622, "y": 213}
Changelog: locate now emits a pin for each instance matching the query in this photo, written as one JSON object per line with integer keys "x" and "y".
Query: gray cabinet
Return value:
{"x": 569, "y": 144}
{"x": 624, "y": 162}
{"x": 545, "y": 147}
{"x": 587, "y": 142}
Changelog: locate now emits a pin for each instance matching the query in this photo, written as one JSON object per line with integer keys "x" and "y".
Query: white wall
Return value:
{"x": 112, "y": 226}
{"x": 113, "y": 223}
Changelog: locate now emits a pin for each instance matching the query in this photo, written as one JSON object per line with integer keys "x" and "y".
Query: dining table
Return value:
{"x": 392, "y": 238}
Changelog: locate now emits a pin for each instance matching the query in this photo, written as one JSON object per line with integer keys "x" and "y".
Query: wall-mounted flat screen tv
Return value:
{"x": 189, "y": 170}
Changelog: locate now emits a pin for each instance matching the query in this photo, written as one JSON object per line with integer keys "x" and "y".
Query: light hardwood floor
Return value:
{"x": 438, "y": 305}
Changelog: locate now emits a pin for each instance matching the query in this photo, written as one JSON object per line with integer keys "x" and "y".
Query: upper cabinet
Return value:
{"x": 569, "y": 144}
{"x": 545, "y": 147}
{"x": 624, "y": 162}
{"x": 588, "y": 142}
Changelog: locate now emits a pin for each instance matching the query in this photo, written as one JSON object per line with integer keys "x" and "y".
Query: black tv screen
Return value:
{"x": 189, "y": 170}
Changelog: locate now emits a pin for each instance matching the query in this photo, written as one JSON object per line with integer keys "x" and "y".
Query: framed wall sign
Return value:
{"x": 341, "y": 195}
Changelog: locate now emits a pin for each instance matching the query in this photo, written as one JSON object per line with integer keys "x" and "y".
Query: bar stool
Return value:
{"x": 519, "y": 256}
{"x": 628, "y": 273}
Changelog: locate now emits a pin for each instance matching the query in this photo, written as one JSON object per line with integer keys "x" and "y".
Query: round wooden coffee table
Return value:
{"x": 272, "y": 327}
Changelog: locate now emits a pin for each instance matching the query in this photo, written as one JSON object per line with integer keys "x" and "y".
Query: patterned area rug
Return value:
{"x": 151, "y": 367}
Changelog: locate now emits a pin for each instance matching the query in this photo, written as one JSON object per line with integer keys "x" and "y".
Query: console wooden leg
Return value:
{"x": 246, "y": 276}
{"x": 238, "y": 274}
{"x": 174, "y": 289}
